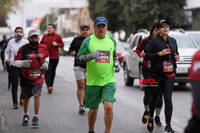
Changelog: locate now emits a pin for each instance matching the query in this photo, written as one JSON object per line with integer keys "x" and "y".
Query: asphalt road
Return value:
{"x": 59, "y": 111}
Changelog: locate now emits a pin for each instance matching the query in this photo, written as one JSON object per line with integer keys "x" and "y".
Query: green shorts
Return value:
{"x": 94, "y": 95}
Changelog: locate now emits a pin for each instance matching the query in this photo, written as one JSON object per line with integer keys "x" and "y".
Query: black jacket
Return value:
{"x": 156, "y": 45}
{"x": 75, "y": 46}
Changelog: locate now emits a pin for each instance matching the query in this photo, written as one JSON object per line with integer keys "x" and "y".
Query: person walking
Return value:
{"x": 3, "y": 45}
{"x": 79, "y": 69}
{"x": 98, "y": 51}
{"x": 194, "y": 78}
{"x": 141, "y": 51}
{"x": 53, "y": 41}
{"x": 13, "y": 45}
{"x": 32, "y": 59}
{"x": 163, "y": 53}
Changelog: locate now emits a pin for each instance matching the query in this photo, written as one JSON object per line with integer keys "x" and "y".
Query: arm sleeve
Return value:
{"x": 140, "y": 47}
{"x": 7, "y": 52}
{"x": 71, "y": 48}
{"x": 150, "y": 53}
{"x": 60, "y": 42}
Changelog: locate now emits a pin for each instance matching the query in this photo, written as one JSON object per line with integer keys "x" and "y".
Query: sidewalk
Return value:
{"x": 3, "y": 93}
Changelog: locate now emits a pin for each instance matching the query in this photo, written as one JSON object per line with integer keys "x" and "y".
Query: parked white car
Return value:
{"x": 132, "y": 62}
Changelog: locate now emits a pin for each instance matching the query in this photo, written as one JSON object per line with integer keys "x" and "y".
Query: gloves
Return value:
{"x": 23, "y": 63}
{"x": 116, "y": 64}
{"x": 91, "y": 56}
{"x": 44, "y": 66}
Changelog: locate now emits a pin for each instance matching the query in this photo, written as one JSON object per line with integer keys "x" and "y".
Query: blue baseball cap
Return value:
{"x": 100, "y": 20}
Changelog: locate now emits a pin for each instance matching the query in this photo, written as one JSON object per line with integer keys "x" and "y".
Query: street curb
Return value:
{"x": 3, "y": 124}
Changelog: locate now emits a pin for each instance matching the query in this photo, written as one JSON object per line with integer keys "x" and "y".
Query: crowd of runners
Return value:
{"x": 95, "y": 62}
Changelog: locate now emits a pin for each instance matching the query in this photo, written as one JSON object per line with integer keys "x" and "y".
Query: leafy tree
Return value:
{"x": 47, "y": 19}
{"x": 131, "y": 15}
{"x": 6, "y": 6}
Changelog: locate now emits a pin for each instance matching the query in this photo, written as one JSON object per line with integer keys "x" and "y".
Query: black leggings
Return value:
{"x": 165, "y": 87}
{"x": 148, "y": 90}
{"x": 14, "y": 80}
{"x": 51, "y": 72}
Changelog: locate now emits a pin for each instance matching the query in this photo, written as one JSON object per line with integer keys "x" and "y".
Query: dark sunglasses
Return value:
{"x": 164, "y": 25}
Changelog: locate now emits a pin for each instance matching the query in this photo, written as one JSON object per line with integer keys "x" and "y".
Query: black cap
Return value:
{"x": 84, "y": 25}
{"x": 162, "y": 21}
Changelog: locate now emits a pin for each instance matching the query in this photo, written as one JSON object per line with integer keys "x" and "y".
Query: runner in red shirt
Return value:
{"x": 194, "y": 77}
{"x": 32, "y": 59}
{"x": 53, "y": 41}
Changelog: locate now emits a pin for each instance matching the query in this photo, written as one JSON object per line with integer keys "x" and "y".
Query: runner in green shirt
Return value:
{"x": 99, "y": 53}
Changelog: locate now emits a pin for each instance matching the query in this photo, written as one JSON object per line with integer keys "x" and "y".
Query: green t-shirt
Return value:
{"x": 99, "y": 71}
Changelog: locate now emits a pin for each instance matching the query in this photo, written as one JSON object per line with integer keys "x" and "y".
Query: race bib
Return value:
{"x": 104, "y": 57}
{"x": 168, "y": 66}
{"x": 34, "y": 74}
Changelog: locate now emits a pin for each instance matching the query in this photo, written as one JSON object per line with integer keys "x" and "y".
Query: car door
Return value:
{"x": 132, "y": 56}
{"x": 135, "y": 58}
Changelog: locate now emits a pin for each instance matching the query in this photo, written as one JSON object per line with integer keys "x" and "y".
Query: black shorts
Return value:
{"x": 29, "y": 90}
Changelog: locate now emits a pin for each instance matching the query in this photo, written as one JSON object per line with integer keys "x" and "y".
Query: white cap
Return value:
{"x": 33, "y": 32}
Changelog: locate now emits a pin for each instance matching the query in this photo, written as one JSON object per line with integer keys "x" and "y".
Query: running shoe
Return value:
{"x": 157, "y": 121}
{"x": 145, "y": 117}
{"x": 81, "y": 109}
{"x": 150, "y": 125}
{"x": 25, "y": 120}
{"x": 168, "y": 129}
{"x": 35, "y": 121}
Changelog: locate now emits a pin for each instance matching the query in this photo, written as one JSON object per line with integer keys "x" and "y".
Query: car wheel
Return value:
{"x": 182, "y": 83}
{"x": 127, "y": 79}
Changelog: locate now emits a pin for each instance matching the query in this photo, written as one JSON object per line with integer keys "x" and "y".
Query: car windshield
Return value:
{"x": 196, "y": 37}
{"x": 183, "y": 41}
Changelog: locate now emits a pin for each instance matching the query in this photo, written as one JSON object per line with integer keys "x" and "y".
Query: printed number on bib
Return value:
{"x": 104, "y": 57}
{"x": 34, "y": 74}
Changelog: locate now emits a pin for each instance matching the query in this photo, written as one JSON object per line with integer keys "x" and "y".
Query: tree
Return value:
{"x": 131, "y": 15}
{"x": 6, "y": 6}
{"x": 145, "y": 11}
{"x": 47, "y": 19}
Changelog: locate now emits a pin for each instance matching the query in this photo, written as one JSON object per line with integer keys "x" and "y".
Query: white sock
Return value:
{"x": 35, "y": 116}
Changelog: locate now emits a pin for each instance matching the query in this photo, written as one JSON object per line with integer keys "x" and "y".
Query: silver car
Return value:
{"x": 132, "y": 63}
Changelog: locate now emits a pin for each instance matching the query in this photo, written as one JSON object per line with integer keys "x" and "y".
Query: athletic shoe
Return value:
{"x": 145, "y": 117}
{"x": 157, "y": 121}
{"x": 150, "y": 125}
{"x": 35, "y": 121}
{"x": 168, "y": 129}
{"x": 81, "y": 109}
{"x": 50, "y": 89}
{"x": 15, "y": 106}
{"x": 25, "y": 120}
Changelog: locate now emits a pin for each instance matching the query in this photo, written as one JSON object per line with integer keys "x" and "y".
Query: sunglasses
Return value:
{"x": 164, "y": 25}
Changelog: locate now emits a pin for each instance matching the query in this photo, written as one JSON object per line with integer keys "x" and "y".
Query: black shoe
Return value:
{"x": 157, "y": 121}
{"x": 145, "y": 117}
{"x": 150, "y": 125}
{"x": 91, "y": 132}
{"x": 81, "y": 109}
{"x": 168, "y": 129}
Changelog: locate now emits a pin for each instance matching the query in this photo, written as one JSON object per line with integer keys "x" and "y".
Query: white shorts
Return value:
{"x": 79, "y": 73}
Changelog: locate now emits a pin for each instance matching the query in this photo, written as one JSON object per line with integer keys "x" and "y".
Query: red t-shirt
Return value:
{"x": 47, "y": 39}
{"x": 194, "y": 71}
{"x": 27, "y": 74}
